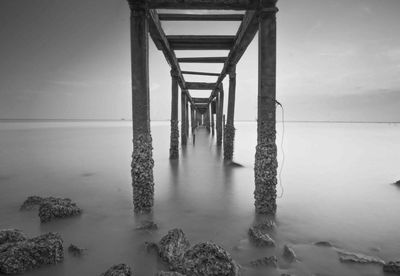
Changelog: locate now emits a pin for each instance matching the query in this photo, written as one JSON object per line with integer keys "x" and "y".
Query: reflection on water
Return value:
{"x": 336, "y": 188}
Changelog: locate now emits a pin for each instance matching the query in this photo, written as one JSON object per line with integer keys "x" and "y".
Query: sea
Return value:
{"x": 335, "y": 184}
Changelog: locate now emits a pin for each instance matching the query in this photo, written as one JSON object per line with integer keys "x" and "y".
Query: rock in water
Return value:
{"x": 168, "y": 273}
{"x": 392, "y": 267}
{"x": 75, "y": 250}
{"x": 147, "y": 225}
{"x": 32, "y": 202}
{"x": 172, "y": 247}
{"x": 11, "y": 235}
{"x": 52, "y": 207}
{"x": 323, "y": 244}
{"x": 397, "y": 183}
{"x": 288, "y": 253}
{"x": 266, "y": 261}
{"x": 21, "y": 256}
{"x": 260, "y": 239}
{"x": 208, "y": 259}
{"x": 57, "y": 208}
{"x": 118, "y": 270}
{"x": 267, "y": 224}
{"x": 350, "y": 257}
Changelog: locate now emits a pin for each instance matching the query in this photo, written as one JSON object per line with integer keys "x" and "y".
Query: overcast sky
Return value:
{"x": 337, "y": 60}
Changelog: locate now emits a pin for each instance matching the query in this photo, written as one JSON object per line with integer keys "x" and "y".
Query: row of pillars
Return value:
{"x": 265, "y": 168}
{"x": 197, "y": 118}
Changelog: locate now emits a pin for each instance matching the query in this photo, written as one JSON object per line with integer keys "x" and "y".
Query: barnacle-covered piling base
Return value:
{"x": 142, "y": 173}
{"x": 229, "y": 138}
{"x": 174, "y": 148}
{"x": 265, "y": 170}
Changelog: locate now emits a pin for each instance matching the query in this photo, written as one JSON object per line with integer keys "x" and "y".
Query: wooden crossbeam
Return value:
{"x": 200, "y": 100}
{"x": 200, "y": 85}
{"x": 204, "y": 4}
{"x": 160, "y": 39}
{"x": 200, "y": 17}
{"x": 200, "y": 73}
{"x": 245, "y": 34}
{"x": 203, "y": 60}
{"x": 201, "y": 42}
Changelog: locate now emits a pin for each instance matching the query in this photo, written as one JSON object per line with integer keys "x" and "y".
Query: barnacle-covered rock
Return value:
{"x": 229, "y": 137}
{"x": 21, "y": 256}
{"x": 118, "y": 270}
{"x": 208, "y": 259}
{"x": 259, "y": 238}
{"x": 31, "y": 202}
{"x": 271, "y": 261}
{"x": 174, "y": 149}
{"x": 169, "y": 273}
{"x": 172, "y": 247}
{"x": 57, "y": 208}
{"x": 288, "y": 253}
{"x": 52, "y": 207}
{"x": 351, "y": 257}
{"x": 265, "y": 169}
{"x": 11, "y": 235}
{"x": 392, "y": 267}
{"x": 142, "y": 173}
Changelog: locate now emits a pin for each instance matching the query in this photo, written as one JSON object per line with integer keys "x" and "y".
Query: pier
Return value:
{"x": 258, "y": 16}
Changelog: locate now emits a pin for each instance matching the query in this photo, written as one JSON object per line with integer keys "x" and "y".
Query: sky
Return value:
{"x": 336, "y": 60}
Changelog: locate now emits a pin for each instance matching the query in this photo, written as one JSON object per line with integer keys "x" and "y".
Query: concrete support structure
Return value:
{"x": 259, "y": 16}
{"x": 198, "y": 119}
{"x": 229, "y": 133}
{"x": 212, "y": 120}
{"x": 187, "y": 117}
{"x": 142, "y": 156}
{"x": 174, "y": 143}
{"x": 183, "y": 119}
{"x": 220, "y": 110}
{"x": 192, "y": 119}
{"x": 266, "y": 164}
{"x": 207, "y": 118}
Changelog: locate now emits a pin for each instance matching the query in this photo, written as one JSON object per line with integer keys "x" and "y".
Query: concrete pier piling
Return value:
{"x": 174, "y": 144}
{"x": 142, "y": 156}
{"x": 265, "y": 167}
{"x": 220, "y": 110}
{"x": 229, "y": 132}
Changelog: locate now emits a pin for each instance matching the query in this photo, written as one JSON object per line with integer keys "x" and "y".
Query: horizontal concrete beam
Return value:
{"x": 200, "y": 17}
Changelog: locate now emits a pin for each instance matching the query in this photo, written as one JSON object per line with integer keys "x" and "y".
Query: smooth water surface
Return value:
{"x": 336, "y": 180}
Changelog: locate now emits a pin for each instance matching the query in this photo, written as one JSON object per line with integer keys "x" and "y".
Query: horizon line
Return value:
{"x": 167, "y": 120}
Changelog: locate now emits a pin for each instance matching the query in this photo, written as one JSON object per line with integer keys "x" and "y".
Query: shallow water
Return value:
{"x": 336, "y": 179}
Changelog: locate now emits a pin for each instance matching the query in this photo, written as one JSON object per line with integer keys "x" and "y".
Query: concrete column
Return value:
{"x": 192, "y": 121}
{"x": 183, "y": 119}
{"x": 266, "y": 164}
{"x": 187, "y": 117}
{"x": 207, "y": 118}
{"x": 212, "y": 120}
{"x": 229, "y": 133}
{"x": 142, "y": 156}
{"x": 220, "y": 110}
{"x": 174, "y": 144}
